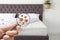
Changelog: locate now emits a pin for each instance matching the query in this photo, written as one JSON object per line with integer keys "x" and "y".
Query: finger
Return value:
{"x": 11, "y": 38}
{"x": 9, "y": 27}
{"x": 1, "y": 33}
{"x": 18, "y": 28}
{"x": 12, "y": 33}
{"x": 6, "y": 37}
{"x": 2, "y": 39}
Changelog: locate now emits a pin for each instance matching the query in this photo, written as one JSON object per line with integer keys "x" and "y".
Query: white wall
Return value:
{"x": 21, "y": 1}
{"x": 52, "y": 17}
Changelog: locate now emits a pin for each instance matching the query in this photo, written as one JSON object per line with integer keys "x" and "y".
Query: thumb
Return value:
{"x": 9, "y": 27}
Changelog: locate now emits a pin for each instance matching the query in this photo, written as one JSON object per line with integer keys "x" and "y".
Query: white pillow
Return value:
{"x": 33, "y": 17}
{"x": 6, "y": 19}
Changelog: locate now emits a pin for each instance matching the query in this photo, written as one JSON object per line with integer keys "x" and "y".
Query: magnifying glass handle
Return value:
{"x": 16, "y": 16}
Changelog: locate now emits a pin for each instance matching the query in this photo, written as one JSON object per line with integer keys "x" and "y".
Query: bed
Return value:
{"x": 38, "y": 32}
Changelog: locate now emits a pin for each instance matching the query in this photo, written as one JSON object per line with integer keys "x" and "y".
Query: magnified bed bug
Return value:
{"x": 22, "y": 22}
{"x": 26, "y": 20}
{"x": 20, "y": 19}
{"x": 21, "y": 15}
{"x": 25, "y": 16}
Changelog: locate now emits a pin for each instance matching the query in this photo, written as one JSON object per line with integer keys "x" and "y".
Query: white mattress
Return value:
{"x": 36, "y": 28}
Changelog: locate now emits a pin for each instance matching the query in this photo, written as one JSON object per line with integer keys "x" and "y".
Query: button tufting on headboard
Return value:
{"x": 16, "y": 8}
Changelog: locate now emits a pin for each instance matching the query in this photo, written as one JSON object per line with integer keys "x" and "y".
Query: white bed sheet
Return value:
{"x": 36, "y": 28}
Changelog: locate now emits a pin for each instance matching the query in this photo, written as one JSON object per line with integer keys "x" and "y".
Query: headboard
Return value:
{"x": 22, "y": 8}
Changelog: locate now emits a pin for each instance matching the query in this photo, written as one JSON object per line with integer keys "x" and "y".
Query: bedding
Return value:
{"x": 33, "y": 28}
{"x": 33, "y": 17}
{"x": 36, "y": 28}
{"x": 6, "y": 19}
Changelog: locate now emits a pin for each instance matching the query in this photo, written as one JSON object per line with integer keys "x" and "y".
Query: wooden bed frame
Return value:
{"x": 25, "y": 8}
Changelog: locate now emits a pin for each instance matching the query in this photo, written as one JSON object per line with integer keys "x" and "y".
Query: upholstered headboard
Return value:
{"x": 22, "y": 8}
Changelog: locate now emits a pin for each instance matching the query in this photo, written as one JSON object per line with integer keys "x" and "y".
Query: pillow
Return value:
{"x": 33, "y": 17}
{"x": 6, "y": 19}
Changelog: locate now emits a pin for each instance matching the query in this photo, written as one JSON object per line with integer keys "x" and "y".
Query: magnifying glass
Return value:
{"x": 22, "y": 19}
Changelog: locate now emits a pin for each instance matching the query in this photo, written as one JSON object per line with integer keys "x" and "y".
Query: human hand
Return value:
{"x": 7, "y": 33}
